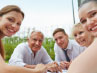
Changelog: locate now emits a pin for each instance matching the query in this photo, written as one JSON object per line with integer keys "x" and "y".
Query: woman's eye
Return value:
{"x": 18, "y": 24}
{"x": 93, "y": 14}
{"x": 11, "y": 19}
{"x": 75, "y": 35}
{"x": 83, "y": 21}
{"x": 80, "y": 32}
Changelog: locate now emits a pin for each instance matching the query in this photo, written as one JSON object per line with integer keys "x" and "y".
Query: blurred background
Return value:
{"x": 43, "y": 15}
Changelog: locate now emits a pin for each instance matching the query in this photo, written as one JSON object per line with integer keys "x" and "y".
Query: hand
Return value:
{"x": 53, "y": 67}
{"x": 40, "y": 68}
{"x": 65, "y": 64}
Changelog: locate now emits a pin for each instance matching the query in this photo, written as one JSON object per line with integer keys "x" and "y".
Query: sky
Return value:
{"x": 45, "y": 15}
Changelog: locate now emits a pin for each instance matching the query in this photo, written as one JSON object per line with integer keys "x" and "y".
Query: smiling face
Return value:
{"x": 82, "y": 36}
{"x": 61, "y": 39}
{"x": 10, "y": 23}
{"x": 88, "y": 17}
{"x": 35, "y": 41}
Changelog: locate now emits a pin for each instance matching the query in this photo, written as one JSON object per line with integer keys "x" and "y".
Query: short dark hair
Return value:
{"x": 59, "y": 30}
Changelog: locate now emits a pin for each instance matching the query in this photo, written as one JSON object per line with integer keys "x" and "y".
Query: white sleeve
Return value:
{"x": 81, "y": 49}
{"x": 17, "y": 56}
{"x": 57, "y": 54}
{"x": 46, "y": 58}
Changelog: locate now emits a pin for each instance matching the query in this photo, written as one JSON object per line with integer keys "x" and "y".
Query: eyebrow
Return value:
{"x": 91, "y": 11}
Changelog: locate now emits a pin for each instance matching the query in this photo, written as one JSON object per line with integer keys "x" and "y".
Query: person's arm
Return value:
{"x": 57, "y": 54}
{"x": 86, "y": 62}
{"x": 17, "y": 58}
{"x": 30, "y": 66}
{"x": 53, "y": 67}
{"x": 45, "y": 56}
{"x": 4, "y": 68}
{"x": 46, "y": 59}
{"x": 64, "y": 64}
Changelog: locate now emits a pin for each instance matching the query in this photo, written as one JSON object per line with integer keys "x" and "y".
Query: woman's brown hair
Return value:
{"x": 10, "y": 8}
{"x": 1, "y": 49}
{"x": 4, "y": 11}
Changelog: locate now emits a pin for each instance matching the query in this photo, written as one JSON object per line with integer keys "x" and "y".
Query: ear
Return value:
{"x": 27, "y": 39}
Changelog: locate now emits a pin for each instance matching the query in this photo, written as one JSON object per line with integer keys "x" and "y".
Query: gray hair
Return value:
{"x": 35, "y": 31}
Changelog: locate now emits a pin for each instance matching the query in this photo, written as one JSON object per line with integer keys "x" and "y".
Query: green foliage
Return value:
{"x": 49, "y": 46}
{"x": 12, "y": 42}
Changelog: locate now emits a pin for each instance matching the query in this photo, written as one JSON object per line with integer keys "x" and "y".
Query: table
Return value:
{"x": 64, "y": 71}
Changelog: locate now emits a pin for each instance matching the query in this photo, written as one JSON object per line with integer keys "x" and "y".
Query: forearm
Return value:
{"x": 30, "y": 66}
{"x": 16, "y": 69}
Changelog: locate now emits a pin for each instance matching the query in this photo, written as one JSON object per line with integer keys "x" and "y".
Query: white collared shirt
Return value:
{"x": 23, "y": 55}
{"x": 73, "y": 51}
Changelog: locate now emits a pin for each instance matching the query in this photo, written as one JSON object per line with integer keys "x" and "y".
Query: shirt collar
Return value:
{"x": 29, "y": 49}
{"x": 69, "y": 45}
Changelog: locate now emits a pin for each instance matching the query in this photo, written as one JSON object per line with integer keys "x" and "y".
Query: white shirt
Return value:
{"x": 73, "y": 51}
{"x": 23, "y": 55}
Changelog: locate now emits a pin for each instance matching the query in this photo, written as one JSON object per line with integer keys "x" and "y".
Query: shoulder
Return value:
{"x": 22, "y": 46}
{"x": 56, "y": 46}
{"x": 73, "y": 42}
{"x": 42, "y": 49}
{"x": 75, "y": 45}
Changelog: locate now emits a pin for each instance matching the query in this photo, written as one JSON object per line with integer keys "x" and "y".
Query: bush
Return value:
{"x": 10, "y": 44}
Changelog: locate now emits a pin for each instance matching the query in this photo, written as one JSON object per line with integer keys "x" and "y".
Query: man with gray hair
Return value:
{"x": 32, "y": 52}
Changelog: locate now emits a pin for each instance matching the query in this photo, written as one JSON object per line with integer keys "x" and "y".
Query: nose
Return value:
{"x": 14, "y": 25}
{"x": 78, "y": 36}
{"x": 37, "y": 42}
{"x": 58, "y": 41}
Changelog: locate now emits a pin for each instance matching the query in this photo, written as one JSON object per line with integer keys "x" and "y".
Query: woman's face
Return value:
{"x": 10, "y": 23}
{"x": 88, "y": 17}
{"x": 82, "y": 36}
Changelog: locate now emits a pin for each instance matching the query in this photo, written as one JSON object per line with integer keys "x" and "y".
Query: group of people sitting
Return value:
{"x": 31, "y": 56}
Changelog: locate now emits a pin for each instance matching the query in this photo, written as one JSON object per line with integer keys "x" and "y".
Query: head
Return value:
{"x": 35, "y": 40}
{"x": 11, "y": 18}
{"x": 88, "y": 16}
{"x": 61, "y": 38}
{"x": 81, "y": 35}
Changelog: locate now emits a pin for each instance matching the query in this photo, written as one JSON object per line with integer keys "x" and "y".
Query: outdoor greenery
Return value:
{"x": 11, "y": 42}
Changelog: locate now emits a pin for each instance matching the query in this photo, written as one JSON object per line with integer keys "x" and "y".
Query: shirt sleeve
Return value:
{"x": 57, "y": 55}
{"x": 46, "y": 58}
{"x": 81, "y": 49}
{"x": 17, "y": 56}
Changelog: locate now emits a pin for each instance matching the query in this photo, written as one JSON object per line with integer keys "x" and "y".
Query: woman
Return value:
{"x": 87, "y": 61}
{"x": 81, "y": 35}
{"x": 10, "y": 20}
